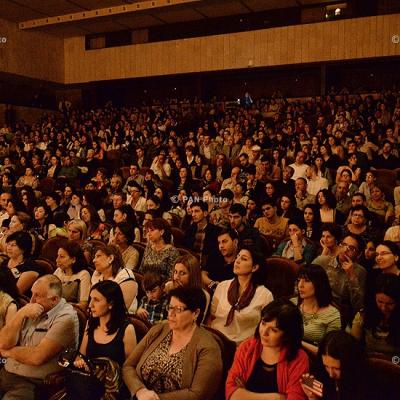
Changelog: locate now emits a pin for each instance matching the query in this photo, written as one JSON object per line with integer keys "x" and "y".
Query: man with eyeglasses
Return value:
{"x": 346, "y": 276}
{"x": 270, "y": 224}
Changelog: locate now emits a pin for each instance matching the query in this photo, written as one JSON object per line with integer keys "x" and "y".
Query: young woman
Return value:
{"x": 108, "y": 332}
{"x": 368, "y": 184}
{"x": 270, "y": 364}
{"x": 71, "y": 269}
{"x": 286, "y": 207}
{"x": 326, "y": 202}
{"x": 123, "y": 239}
{"x": 340, "y": 368}
{"x": 95, "y": 228}
{"x": 187, "y": 273}
{"x": 330, "y": 239}
{"x": 125, "y": 214}
{"x": 109, "y": 266}
{"x": 379, "y": 326}
{"x": 236, "y": 304}
{"x": 314, "y": 302}
{"x": 77, "y": 230}
{"x": 312, "y": 220}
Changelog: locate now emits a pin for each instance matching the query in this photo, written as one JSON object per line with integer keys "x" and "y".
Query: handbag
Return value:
{"x": 102, "y": 380}
{"x": 70, "y": 291}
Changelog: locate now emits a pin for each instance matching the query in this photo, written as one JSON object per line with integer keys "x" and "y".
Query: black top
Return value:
{"x": 113, "y": 350}
{"x": 218, "y": 270}
{"x": 263, "y": 379}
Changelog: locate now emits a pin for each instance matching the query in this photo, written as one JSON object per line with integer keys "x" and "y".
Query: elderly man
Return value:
{"x": 33, "y": 340}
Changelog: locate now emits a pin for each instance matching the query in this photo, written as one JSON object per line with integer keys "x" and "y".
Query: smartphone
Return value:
{"x": 315, "y": 386}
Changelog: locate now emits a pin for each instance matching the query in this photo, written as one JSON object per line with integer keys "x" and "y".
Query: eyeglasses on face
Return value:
{"x": 176, "y": 310}
{"x": 348, "y": 246}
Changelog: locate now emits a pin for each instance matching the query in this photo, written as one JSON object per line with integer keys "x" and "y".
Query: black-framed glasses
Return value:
{"x": 176, "y": 310}
{"x": 348, "y": 247}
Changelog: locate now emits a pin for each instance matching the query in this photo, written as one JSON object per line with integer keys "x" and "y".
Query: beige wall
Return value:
{"x": 32, "y": 54}
{"x": 339, "y": 40}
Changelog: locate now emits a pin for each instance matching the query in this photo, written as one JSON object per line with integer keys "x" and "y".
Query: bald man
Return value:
{"x": 34, "y": 338}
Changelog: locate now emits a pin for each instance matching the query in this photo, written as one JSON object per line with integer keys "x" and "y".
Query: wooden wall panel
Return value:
{"x": 31, "y": 54}
{"x": 328, "y": 41}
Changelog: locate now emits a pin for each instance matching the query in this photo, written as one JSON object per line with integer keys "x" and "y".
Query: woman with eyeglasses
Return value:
{"x": 379, "y": 326}
{"x": 237, "y": 303}
{"x": 177, "y": 359}
{"x": 269, "y": 365}
{"x": 187, "y": 273}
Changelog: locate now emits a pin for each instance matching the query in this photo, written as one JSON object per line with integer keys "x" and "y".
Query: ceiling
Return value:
{"x": 24, "y": 10}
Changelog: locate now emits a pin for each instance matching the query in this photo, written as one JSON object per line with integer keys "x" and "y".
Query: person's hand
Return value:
{"x": 239, "y": 383}
{"x": 32, "y": 310}
{"x": 80, "y": 363}
{"x": 348, "y": 265}
{"x": 311, "y": 393}
{"x": 146, "y": 394}
{"x": 142, "y": 313}
{"x": 295, "y": 239}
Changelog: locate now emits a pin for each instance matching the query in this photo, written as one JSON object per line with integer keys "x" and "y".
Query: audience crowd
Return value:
{"x": 170, "y": 215}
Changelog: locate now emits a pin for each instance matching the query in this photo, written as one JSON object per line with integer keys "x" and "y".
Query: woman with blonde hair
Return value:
{"x": 77, "y": 230}
{"x": 187, "y": 273}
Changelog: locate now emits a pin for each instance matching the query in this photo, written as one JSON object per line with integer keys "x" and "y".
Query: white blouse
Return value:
{"x": 244, "y": 321}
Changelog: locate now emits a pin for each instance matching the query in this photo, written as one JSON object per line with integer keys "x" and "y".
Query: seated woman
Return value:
{"x": 41, "y": 222}
{"x": 368, "y": 184}
{"x": 314, "y": 302}
{"x": 123, "y": 239}
{"x": 340, "y": 368}
{"x": 287, "y": 207}
{"x": 109, "y": 266}
{"x": 29, "y": 179}
{"x": 95, "y": 228}
{"x": 326, "y": 203}
{"x": 75, "y": 278}
{"x": 23, "y": 268}
{"x": 125, "y": 214}
{"x": 379, "y": 326}
{"x": 270, "y": 364}
{"x": 108, "y": 332}
{"x": 187, "y": 272}
{"x": 378, "y": 205}
{"x": 237, "y": 303}
{"x": 313, "y": 223}
{"x": 297, "y": 248}
{"x": 77, "y": 230}
{"x": 358, "y": 223}
{"x": 159, "y": 256}
{"x": 176, "y": 360}
{"x": 8, "y": 296}
{"x": 20, "y": 221}
{"x": 330, "y": 239}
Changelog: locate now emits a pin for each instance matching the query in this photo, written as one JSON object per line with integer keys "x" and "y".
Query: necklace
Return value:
{"x": 308, "y": 317}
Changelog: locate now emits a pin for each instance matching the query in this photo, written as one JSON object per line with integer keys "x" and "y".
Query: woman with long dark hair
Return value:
{"x": 237, "y": 303}
{"x": 340, "y": 368}
{"x": 108, "y": 332}
{"x": 379, "y": 326}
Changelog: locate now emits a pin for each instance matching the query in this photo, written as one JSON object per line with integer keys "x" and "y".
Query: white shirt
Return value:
{"x": 315, "y": 185}
{"x": 299, "y": 170}
{"x": 244, "y": 321}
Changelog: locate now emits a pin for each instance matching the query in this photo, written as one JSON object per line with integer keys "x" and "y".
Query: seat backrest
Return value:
{"x": 50, "y": 248}
{"x": 47, "y": 266}
{"x": 280, "y": 276}
{"x": 385, "y": 380}
{"x": 228, "y": 349}
{"x": 178, "y": 235}
{"x": 141, "y": 327}
{"x": 82, "y": 318}
{"x": 140, "y": 248}
{"x": 139, "y": 279}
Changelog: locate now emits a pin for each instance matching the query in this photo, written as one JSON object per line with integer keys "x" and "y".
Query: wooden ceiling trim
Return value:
{"x": 103, "y": 12}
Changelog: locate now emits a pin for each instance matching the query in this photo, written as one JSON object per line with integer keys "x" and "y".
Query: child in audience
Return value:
{"x": 153, "y": 306}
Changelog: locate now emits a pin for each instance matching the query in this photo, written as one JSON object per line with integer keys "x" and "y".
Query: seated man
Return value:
{"x": 346, "y": 276}
{"x": 33, "y": 340}
{"x": 271, "y": 224}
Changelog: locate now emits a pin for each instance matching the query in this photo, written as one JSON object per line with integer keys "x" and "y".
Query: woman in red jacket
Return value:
{"x": 270, "y": 364}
